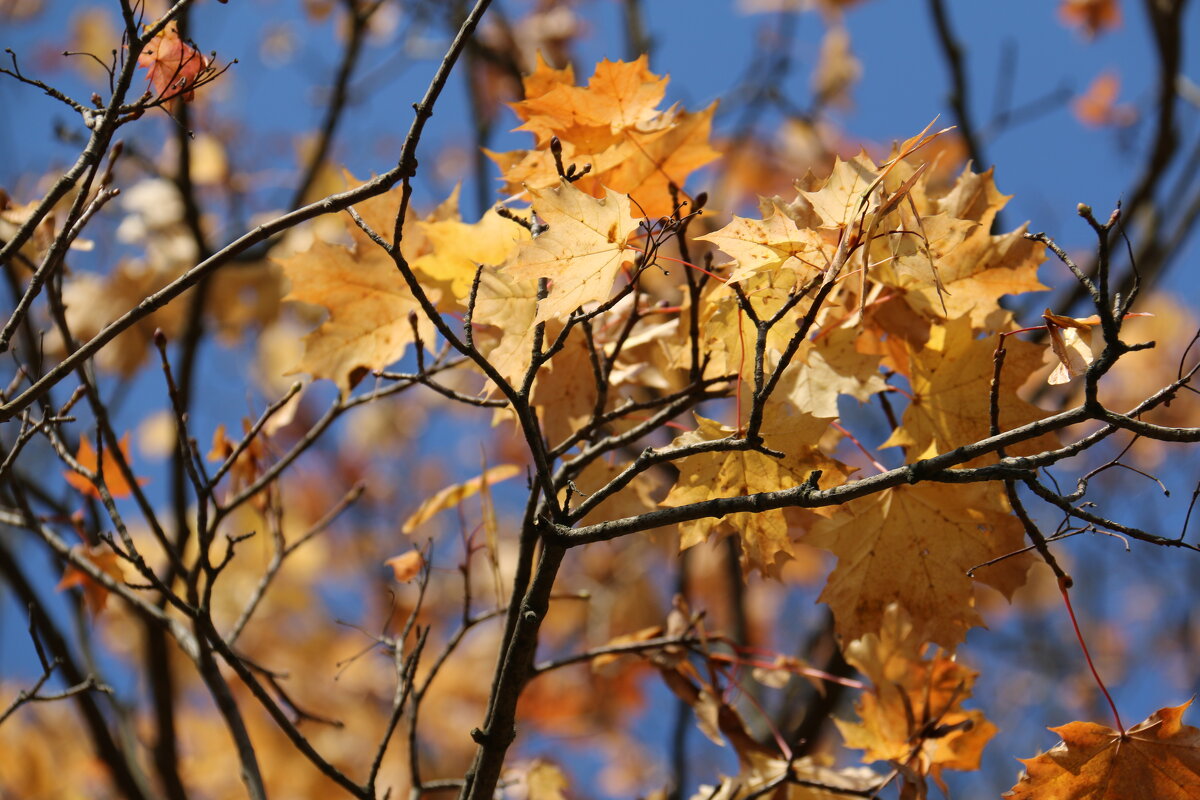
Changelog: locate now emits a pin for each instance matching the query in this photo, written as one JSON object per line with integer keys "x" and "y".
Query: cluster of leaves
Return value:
{"x": 664, "y": 375}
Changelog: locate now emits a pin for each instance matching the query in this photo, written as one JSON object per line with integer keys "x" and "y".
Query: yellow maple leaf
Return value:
{"x": 457, "y": 249}
{"x": 564, "y": 393}
{"x": 951, "y": 379}
{"x": 840, "y": 201}
{"x": 913, "y": 545}
{"x": 765, "y": 539}
{"x": 827, "y": 367}
{"x": 455, "y": 494}
{"x": 774, "y": 242}
{"x": 508, "y": 307}
{"x": 1158, "y": 758}
{"x": 982, "y": 268}
{"x": 369, "y": 305}
{"x": 913, "y": 716}
{"x": 586, "y": 245}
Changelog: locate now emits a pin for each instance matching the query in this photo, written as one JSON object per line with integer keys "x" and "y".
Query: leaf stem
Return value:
{"x": 1083, "y": 645}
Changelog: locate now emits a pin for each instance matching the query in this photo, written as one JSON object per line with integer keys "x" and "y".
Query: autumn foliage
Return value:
{"x": 433, "y": 498}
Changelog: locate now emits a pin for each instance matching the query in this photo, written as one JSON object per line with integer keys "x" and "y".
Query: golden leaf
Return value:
{"x": 913, "y": 545}
{"x": 453, "y": 495}
{"x": 913, "y": 715}
{"x": 586, "y": 245}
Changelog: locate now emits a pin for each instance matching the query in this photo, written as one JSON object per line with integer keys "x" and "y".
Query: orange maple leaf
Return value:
{"x": 1158, "y": 758}
{"x": 1097, "y": 106}
{"x": 913, "y": 715}
{"x": 95, "y": 594}
{"x": 1093, "y": 17}
{"x": 174, "y": 66}
{"x": 613, "y": 124}
{"x": 117, "y": 486}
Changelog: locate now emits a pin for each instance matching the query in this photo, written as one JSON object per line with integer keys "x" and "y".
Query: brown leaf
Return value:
{"x": 1158, "y": 758}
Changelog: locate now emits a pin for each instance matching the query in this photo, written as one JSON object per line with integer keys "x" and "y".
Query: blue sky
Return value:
{"x": 1049, "y": 163}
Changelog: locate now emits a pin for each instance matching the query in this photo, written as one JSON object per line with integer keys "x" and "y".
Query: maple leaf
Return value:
{"x": 451, "y": 496}
{"x": 765, "y": 539}
{"x": 951, "y": 379}
{"x": 842, "y": 197}
{"x": 612, "y": 125}
{"x": 508, "y": 306}
{"x": 1093, "y": 17}
{"x": 565, "y": 391}
{"x": 1097, "y": 106}
{"x": 173, "y": 65}
{"x": 586, "y": 245}
{"x": 1159, "y": 758}
{"x": 808, "y": 775}
{"x": 619, "y": 95}
{"x": 369, "y": 304}
{"x": 982, "y": 268}
{"x": 95, "y": 594}
{"x": 913, "y": 715}
{"x": 775, "y": 242}
{"x": 913, "y": 545}
{"x": 727, "y": 332}
{"x": 114, "y": 480}
{"x": 827, "y": 367}
{"x": 636, "y": 498}
{"x": 457, "y": 248}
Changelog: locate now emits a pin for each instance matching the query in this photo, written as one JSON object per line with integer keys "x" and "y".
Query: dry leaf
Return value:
{"x": 173, "y": 65}
{"x": 453, "y": 495}
{"x": 1158, "y": 758}
{"x": 913, "y": 717}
